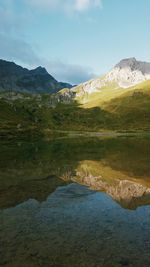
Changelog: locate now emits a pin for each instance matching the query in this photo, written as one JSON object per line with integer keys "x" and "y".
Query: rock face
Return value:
{"x": 128, "y": 72}
{"x": 127, "y": 193}
{"x": 15, "y": 78}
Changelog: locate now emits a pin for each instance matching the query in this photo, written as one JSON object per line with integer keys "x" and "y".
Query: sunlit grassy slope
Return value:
{"x": 130, "y": 106}
{"x": 110, "y": 92}
{"x": 110, "y": 108}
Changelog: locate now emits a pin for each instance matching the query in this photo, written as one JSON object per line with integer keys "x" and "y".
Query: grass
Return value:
{"x": 107, "y": 93}
{"x": 130, "y": 106}
{"x": 110, "y": 108}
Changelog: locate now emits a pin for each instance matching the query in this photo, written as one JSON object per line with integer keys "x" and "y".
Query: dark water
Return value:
{"x": 76, "y": 202}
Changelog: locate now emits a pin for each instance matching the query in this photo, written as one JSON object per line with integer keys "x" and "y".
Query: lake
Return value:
{"x": 75, "y": 202}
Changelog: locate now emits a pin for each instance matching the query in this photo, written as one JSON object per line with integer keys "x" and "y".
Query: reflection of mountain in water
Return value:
{"x": 128, "y": 193}
{"x": 38, "y": 189}
{"x": 119, "y": 167}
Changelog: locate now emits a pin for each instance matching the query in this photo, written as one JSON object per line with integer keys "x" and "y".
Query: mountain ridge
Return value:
{"x": 127, "y": 73}
{"x": 105, "y": 107}
{"x": 18, "y": 79}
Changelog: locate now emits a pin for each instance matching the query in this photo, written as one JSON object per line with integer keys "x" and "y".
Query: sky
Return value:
{"x": 75, "y": 40}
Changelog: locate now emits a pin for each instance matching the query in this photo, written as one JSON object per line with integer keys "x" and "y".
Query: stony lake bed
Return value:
{"x": 75, "y": 202}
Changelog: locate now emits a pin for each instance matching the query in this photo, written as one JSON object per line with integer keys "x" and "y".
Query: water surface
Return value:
{"x": 75, "y": 202}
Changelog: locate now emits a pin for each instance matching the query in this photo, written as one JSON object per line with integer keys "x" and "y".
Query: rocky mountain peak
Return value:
{"x": 134, "y": 65}
{"x": 18, "y": 79}
{"x": 40, "y": 70}
{"x": 127, "y": 62}
{"x": 129, "y": 72}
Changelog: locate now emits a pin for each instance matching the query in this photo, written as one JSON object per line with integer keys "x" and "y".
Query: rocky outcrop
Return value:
{"x": 14, "y": 78}
{"x": 127, "y": 193}
{"x": 128, "y": 72}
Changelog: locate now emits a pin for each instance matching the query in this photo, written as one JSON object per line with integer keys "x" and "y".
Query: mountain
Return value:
{"x": 97, "y": 105}
{"x": 127, "y": 73}
{"x": 15, "y": 78}
{"x": 121, "y": 98}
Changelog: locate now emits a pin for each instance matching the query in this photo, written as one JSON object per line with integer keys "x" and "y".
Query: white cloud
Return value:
{"x": 66, "y": 5}
{"x": 71, "y": 73}
{"x": 13, "y": 44}
{"x": 17, "y": 50}
{"x": 26, "y": 56}
{"x": 82, "y": 5}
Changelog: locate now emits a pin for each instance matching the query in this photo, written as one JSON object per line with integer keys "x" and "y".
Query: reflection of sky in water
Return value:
{"x": 118, "y": 166}
{"x": 48, "y": 220}
{"x": 75, "y": 227}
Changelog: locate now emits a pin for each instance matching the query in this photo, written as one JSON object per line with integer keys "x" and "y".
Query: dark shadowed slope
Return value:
{"x": 15, "y": 78}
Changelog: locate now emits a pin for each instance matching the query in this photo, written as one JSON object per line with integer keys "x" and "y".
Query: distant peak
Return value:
{"x": 134, "y": 65}
{"x": 40, "y": 70}
{"x": 127, "y": 62}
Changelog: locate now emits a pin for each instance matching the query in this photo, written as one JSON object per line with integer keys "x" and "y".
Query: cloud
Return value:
{"x": 71, "y": 73}
{"x": 17, "y": 50}
{"x": 81, "y": 5}
{"x": 14, "y": 47}
{"x": 21, "y": 52}
{"x": 65, "y": 5}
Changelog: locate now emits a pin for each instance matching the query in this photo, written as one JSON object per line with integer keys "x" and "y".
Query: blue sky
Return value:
{"x": 75, "y": 40}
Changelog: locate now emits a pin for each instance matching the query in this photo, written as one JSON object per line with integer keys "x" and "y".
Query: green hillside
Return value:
{"x": 28, "y": 116}
{"x": 108, "y": 109}
{"x": 107, "y": 93}
{"x": 130, "y": 107}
